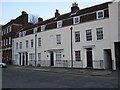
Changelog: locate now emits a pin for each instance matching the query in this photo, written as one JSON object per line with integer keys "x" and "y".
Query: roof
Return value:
{"x": 68, "y": 15}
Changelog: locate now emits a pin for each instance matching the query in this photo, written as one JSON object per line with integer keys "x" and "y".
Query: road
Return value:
{"x": 17, "y": 77}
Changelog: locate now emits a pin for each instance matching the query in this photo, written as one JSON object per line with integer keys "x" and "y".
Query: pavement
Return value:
{"x": 76, "y": 71}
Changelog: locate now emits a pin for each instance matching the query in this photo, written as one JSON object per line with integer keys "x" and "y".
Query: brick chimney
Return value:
{"x": 74, "y": 7}
{"x": 57, "y": 13}
{"x": 40, "y": 19}
{"x": 24, "y": 18}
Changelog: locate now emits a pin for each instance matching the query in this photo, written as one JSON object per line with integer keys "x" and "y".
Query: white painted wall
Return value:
{"x": 48, "y": 42}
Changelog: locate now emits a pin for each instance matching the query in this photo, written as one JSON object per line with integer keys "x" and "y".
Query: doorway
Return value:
{"x": 89, "y": 57}
{"x": 23, "y": 59}
{"x": 51, "y": 58}
{"x": 19, "y": 58}
{"x": 117, "y": 55}
{"x": 26, "y": 58}
{"x": 108, "y": 58}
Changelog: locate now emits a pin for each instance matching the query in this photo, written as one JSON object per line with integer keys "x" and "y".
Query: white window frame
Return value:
{"x": 58, "y": 39}
{"x": 102, "y": 14}
{"x": 99, "y": 33}
{"x": 59, "y": 24}
{"x": 39, "y": 56}
{"x": 10, "y": 28}
{"x": 27, "y": 44}
{"x": 35, "y": 30}
{"x": 58, "y": 56}
{"x": 31, "y": 43}
{"x": 89, "y": 36}
{"x": 39, "y": 42}
{"x": 20, "y": 45}
{"x": 16, "y": 45}
{"x": 78, "y": 56}
{"x": 77, "y": 39}
{"x": 43, "y": 28}
{"x": 24, "y": 33}
{"x": 20, "y": 34}
{"x": 76, "y": 21}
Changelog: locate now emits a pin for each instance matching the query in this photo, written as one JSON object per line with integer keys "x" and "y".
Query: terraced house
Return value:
{"x": 81, "y": 38}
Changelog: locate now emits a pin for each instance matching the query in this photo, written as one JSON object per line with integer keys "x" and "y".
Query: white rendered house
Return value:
{"x": 87, "y": 38}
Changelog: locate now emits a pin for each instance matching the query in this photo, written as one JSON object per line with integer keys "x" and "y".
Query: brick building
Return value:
{"x": 8, "y": 32}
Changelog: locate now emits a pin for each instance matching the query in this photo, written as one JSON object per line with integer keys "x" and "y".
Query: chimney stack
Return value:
{"x": 74, "y": 7}
{"x": 40, "y": 19}
{"x": 57, "y": 13}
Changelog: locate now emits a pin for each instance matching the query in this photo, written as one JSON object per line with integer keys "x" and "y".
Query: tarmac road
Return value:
{"x": 30, "y": 77}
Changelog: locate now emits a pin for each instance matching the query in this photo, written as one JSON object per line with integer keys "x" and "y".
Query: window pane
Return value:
{"x": 77, "y": 36}
{"x": 88, "y": 35}
{"x": 77, "y": 56}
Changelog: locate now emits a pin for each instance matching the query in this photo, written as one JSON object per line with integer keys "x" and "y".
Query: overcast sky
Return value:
{"x": 10, "y": 9}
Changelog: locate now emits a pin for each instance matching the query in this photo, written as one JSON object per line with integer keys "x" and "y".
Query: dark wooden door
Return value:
{"x": 52, "y": 58}
{"x": 89, "y": 57}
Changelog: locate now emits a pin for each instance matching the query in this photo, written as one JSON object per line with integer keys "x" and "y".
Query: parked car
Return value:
{"x": 3, "y": 65}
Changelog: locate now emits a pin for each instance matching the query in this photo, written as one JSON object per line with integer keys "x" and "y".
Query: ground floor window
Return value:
{"x": 39, "y": 56}
{"x": 31, "y": 56}
{"x": 58, "y": 56}
{"x": 77, "y": 56}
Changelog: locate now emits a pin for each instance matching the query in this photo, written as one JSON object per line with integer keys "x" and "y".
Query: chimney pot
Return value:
{"x": 40, "y": 19}
{"x": 57, "y": 13}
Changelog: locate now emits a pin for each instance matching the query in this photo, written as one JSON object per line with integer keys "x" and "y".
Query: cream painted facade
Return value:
{"x": 102, "y": 51}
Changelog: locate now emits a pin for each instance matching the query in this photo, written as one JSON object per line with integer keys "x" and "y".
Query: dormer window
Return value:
{"x": 20, "y": 34}
{"x": 100, "y": 14}
{"x": 42, "y": 28}
{"x": 59, "y": 24}
{"x": 76, "y": 20}
{"x": 24, "y": 33}
{"x": 35, "y": 30}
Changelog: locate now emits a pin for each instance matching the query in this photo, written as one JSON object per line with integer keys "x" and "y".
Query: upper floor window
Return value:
{"x": 17, "y": 45}
{"x": 26, "y": 43}
{"x": 58, "y": 56}
{"x": 89, "y": 35}
{"x": 77, "y": 36}
{"x": 31, "y": 43}
{"x": 43, "y": 28}
{"x": 20, "y": 45}
{"x": 59, "y": 24}
{"x": 76, "y": 20}
{"x": 100, "y": 14}
{"x": 99, "y": 32}
{"x": 39, "y": 42}
{"x": 77, "y": 56}
{"x": 58, "y": 38}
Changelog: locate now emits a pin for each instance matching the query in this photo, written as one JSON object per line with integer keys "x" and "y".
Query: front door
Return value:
{"x": 26, "y": 58}
{"x": 89, "y": 57}
{"x": 51, "y": 59}
{"x": 19, "y": 58}
{"x": 23, "y": 59}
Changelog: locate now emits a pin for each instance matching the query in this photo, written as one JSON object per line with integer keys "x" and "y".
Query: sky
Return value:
{"x": 11, "y": 9}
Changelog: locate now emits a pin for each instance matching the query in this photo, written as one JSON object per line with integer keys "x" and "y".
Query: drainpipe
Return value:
{"x": 35, "y": 48}
{"x": 71, "y": 28}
